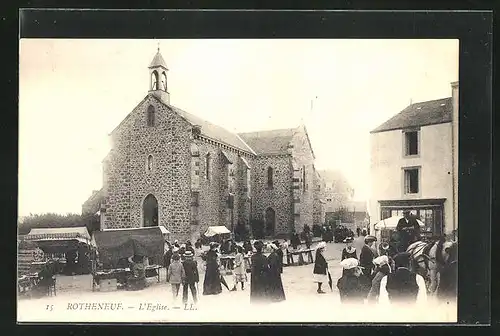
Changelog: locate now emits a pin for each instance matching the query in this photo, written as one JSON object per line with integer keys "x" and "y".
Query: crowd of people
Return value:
{"x": 372, "y": 276}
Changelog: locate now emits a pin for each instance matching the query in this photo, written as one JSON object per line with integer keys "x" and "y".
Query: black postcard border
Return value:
{"x": 474, "y": 29}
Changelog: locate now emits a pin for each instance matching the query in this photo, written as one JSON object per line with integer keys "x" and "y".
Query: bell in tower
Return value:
{"x": 158, "y": 78}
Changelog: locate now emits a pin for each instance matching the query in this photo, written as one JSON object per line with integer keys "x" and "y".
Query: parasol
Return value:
{"x": 330, "y": 282}
{"x": 223, "y": 281}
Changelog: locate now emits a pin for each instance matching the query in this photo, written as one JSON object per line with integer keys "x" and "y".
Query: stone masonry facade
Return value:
{"x": 198, "y": 181}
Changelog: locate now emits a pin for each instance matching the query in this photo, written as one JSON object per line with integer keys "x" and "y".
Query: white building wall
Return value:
{"x": 435, "y": 160}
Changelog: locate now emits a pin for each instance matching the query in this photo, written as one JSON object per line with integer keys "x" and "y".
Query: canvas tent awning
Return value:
{"x": 52, "y": 240}
{"x": 215, "y": 230}
{"x": 113, "y": 245}
{"x": 392, "y": 222}
{"x": 58, "y": 233}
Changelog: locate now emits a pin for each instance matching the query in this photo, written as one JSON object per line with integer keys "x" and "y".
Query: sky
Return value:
{"x": 74, "y": 92}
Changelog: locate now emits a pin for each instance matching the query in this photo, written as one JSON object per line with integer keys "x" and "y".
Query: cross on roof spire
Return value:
{"x": 158, "y": 46}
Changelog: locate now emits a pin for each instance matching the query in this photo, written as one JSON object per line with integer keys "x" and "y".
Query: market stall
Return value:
{"x": 115, "y": 247}
{"x": 70, "y": 248}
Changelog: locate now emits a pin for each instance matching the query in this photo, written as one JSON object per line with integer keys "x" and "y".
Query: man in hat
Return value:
{"x": 367, "y": 255}
{"x": 408, "y": 230}
{"x": 402, "y": 286}
{"x": 191, "y": 277}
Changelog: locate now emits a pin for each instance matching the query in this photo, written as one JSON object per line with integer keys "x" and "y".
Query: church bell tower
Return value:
{"x": 158, "y": 78}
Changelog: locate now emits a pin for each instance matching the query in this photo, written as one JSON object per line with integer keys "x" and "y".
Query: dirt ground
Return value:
{"x": 155, "y": 303}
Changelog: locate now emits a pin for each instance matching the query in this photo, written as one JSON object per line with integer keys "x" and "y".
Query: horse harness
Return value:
{"x": 424, "y": 257}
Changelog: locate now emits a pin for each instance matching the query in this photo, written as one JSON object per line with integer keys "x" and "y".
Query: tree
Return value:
{"x": 53, "y": 220}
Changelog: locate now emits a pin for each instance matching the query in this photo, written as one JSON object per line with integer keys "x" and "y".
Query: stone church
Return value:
{"x": 168, "y": 167}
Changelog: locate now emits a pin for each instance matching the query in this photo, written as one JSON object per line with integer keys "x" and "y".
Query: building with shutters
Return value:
{"x": 414, "y": 165}
{"x": 168, "y": 167}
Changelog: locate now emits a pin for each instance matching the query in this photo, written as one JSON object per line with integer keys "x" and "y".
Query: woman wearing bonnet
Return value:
{"x": 320, "y": 271}
{"x": 382, "y": 268}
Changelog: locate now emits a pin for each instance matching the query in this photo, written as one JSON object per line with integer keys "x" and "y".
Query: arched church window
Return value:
{"x": 163, "y": 81}
{"x": 151, "y": 116}
{"x": 154, "y": 80}
{"x": 150, "y": 163}
{"x": 270, "y": 178}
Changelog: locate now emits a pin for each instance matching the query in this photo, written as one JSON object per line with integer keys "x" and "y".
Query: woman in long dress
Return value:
{"x": 259, "y": 275}
{"x": 211, "y": 283}
{"x": 320, "y": 271}
{"x": 275, "y": 291}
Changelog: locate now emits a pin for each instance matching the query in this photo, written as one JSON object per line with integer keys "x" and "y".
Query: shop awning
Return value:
{"x": 215, "y": 230}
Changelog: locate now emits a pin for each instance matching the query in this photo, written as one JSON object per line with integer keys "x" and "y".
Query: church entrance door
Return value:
{"x": 270, "y": 222}
{"x": 150, "y": 211}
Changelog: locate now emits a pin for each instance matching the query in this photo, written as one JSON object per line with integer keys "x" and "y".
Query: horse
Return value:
{"x": 428, "y": 258}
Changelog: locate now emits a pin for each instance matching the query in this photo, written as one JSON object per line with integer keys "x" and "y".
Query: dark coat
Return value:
{"x": 259, "y": 278}
{"x": 275, "y": 291}
{"x": 352, "y": 289}
{"x": 211, "y": 283}
{"x": 279, "y": 252}
{"x": 191, "y": 271}
{"x": 167, "y": 257}
{"x": 320, "y": 264}
{"x": 366, "y": 261}
{"x": 346, "y": 255}
{"x": 448, "y": 281}
{"x": 409, "y": 232}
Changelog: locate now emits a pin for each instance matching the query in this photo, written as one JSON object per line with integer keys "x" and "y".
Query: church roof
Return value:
{"x": 430, "y": 112}
{"x": 269, "y": 142}
{"x": 212, "y": 131}
{"x": 158, "y": 61}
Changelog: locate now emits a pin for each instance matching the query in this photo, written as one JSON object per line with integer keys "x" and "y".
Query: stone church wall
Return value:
{"x": 279, "y": 198}
{"x": 224, "y": 179}
{"x": 304, "y": 161}
{"x": 128, "y": 181}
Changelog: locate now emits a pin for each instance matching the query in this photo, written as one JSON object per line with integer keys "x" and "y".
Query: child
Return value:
{"x": 176, "y": 275}
{"x": 240, "y": 274}
{"x": 320, "y": 272}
